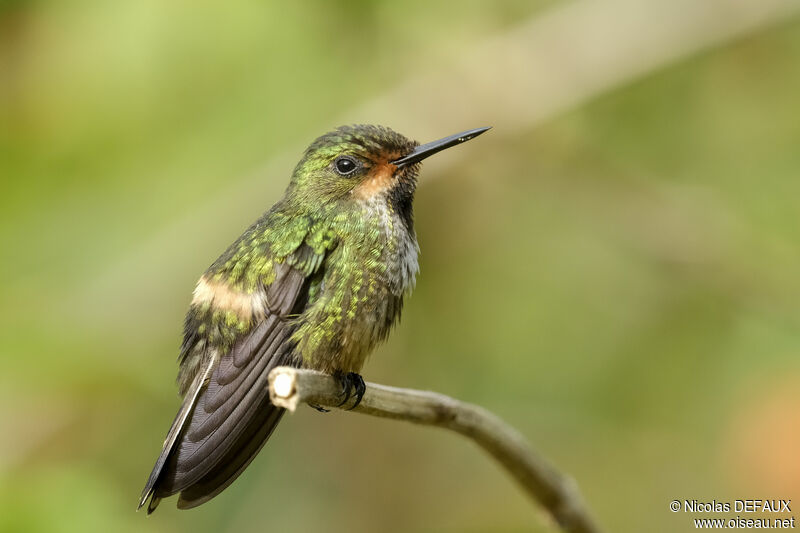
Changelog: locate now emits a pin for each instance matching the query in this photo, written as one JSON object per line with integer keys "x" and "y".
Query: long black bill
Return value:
{"x": 428, "y": 149}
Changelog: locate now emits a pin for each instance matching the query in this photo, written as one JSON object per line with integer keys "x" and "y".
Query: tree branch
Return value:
{"x": 288, "y": 387}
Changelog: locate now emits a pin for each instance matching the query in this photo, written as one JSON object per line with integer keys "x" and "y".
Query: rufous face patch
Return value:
{"x": 379, "y": 180}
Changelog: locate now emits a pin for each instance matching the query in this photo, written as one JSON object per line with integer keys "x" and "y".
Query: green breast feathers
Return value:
{"x": 355, "y": 270}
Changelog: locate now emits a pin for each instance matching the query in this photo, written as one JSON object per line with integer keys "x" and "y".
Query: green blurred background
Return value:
{"x": 618, "y": 280}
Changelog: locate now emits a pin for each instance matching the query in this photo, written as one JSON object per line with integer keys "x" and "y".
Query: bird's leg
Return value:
{"x": 346, "y": 385}
{"x": 350, "y": 381}
{"x": 360, "y": 386}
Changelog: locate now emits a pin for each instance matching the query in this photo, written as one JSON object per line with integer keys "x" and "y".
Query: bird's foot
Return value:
{"x": 319, "y": 408}
{"x": 351, "y": 381}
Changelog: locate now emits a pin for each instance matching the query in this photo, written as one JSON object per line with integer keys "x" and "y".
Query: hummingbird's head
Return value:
{"x": 364, "y": 164}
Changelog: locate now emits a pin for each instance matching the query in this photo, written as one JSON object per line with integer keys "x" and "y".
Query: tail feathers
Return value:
{"x": 201, "y": 467}
{"x": 172, "y": 438}
{"x": 234, "y": 462}
{"x": 154, "y": 501}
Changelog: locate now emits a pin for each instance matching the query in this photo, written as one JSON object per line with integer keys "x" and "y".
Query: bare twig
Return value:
{"x": 558, "y": 493}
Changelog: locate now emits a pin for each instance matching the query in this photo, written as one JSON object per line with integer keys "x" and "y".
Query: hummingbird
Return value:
{"x": 316, "y": 282}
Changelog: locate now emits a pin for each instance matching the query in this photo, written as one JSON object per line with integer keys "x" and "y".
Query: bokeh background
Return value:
{"x": 613, "y": 269}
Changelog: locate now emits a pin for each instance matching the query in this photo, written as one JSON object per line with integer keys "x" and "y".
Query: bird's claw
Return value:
{"x": 351, "y": 381}
{"x": 319, "y": 408}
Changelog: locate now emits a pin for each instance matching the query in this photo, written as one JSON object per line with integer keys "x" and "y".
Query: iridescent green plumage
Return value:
{"x": 316, "y": 282}
{"x": 337, "y": 238}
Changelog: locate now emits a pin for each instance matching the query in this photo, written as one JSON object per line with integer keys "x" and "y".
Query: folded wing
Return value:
{"x": 226, "y": 416}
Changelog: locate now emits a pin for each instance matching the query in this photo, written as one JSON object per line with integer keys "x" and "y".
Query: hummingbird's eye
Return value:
{"x": 345, "y": 165}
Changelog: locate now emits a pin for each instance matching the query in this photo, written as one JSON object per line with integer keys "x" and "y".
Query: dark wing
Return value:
{"x": 172, "y": 436}
{"x": 227, "y": 417}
